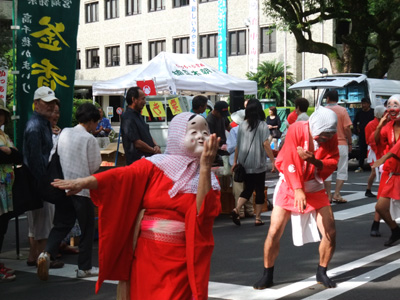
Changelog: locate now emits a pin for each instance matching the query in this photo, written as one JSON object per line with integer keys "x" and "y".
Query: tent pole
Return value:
{"x": 119, "y": 133}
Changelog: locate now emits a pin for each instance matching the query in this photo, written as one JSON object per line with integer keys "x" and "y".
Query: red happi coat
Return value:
{"x": 389, "y": 186}
{"x": 297, "y": 171}
{"x": 156, "y": 269}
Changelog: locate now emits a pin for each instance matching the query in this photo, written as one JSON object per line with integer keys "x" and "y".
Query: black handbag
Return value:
{"x": 25, "y": 191}
{"x": 54, "y": 171}
{"x": 276, "y": 133}
{"x": 240, "y": 171}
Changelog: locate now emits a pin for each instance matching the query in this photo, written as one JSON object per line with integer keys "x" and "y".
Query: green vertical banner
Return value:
{"x": 46, "y": 55}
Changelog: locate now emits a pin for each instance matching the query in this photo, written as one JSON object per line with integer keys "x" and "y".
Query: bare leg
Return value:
{"x": 328, "y": 185}
{"x": 382, "y": 207}
{"x": 279, "y": 219}
{"x": 241, "y": 201}
{"x": 235, "y": 212}
{"x": 371, "y": 179}
{"x": 339, "y": 184}
{"x": 33, "y": 253}
{"x": 326, "y": 226}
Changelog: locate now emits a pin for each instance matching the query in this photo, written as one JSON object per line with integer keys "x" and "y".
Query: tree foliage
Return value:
{"x": 270, "y": 81}
{"x": 373, "y": 35}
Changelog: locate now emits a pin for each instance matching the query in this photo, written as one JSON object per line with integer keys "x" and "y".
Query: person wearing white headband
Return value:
{"x": 387, "y": 134}
{"x": 172, "y": 199}
{"x": 309, "y": 155}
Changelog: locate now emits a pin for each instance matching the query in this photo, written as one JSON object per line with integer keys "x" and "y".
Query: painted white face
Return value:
{"x": 197, "y": 133}
{"x": 393, "y": 109}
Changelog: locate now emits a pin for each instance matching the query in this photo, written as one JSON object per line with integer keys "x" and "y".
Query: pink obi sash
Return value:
{"x": 162, "y": 230}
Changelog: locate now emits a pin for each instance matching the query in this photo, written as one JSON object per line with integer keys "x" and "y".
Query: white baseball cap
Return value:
{"x": 46, "y": 94}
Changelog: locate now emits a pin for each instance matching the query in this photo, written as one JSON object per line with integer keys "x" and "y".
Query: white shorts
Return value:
{"x": 40, "y": 221}
{"x": 343, "y": 164}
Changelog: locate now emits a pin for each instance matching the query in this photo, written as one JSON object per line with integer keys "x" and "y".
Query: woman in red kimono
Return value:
{"x": 387, "y": 135}
{"x": 174, "y": 198}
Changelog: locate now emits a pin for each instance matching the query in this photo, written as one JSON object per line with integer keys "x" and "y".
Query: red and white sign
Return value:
{"x": 119, "y": 111}
{"x": 148, "y": 87}
{"x": 3, "y": 84}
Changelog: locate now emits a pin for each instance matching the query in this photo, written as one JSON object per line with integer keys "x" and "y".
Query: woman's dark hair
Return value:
{"x": 87, "y": 112}
{"x": 273, "y": 109}
{"x": 133, "y": 92}
{"x": 254, "y": 113}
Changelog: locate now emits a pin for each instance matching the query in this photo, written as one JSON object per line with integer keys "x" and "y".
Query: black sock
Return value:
{"x": 323, "y": 278}
{"x": 375, "y": 226}
{"x": 266, "y": 281}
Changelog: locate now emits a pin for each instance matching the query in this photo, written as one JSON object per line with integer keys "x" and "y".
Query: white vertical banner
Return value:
{"x": 3, "y": 85}
{"x": 253, "y": 36}
{"x": 194, "y": 34}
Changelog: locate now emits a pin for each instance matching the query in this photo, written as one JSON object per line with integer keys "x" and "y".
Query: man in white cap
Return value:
{"x": 309, "y": 155}
{"x": 37, "y": 144}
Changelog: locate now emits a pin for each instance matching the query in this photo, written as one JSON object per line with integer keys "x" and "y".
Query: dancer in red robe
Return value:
{"x": 174, "y": 198}
{"x": 309, "y": 155}
{"x": 387, "y": 134}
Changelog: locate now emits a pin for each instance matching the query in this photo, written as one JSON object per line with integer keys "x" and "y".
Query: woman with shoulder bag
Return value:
{"x": 252, "y": 145}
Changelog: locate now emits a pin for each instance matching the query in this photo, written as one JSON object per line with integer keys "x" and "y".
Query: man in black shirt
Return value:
{"x": 362, "y": 118}
{"x": 136, "y": 138}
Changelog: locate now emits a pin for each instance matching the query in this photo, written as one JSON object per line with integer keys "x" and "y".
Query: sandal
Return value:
{"x": 339, "y": 200}
{"x": 258, "y": 222}
{"x": 235, "y": 217}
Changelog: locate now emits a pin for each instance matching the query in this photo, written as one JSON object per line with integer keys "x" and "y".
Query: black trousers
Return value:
{"x": 66, "y": 212}
{"x": 254, "y": 182}
{"x": 4, "y": 219}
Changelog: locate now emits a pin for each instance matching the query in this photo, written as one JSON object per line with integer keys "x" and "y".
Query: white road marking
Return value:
{"x": 240, "y": 292}
{"x": 356, "y": 281}
{"x": 354, "y": 212}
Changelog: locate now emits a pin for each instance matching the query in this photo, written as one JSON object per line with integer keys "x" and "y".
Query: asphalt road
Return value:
{"x": 362, "y": 266}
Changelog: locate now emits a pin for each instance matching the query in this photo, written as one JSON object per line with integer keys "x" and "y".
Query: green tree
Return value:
{"x": 364, "y": 19}
{"x": 270, "y": 81}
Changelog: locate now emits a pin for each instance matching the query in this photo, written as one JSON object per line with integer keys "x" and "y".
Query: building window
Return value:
{"x": 237, "y": 42}
{"x": 179, "y": 3}
{"x": 156, "y": 5}
{"x": 111, "y": 7}
{"x": 112, "y": 56}
{"x": 92, "y": 58}
{"x": 133, "y": 7}
{"x": 134, "y": 54}
{"x": 181, "y": 45}
{"x": 78, "y": 60}
{"x": 92, "y": 12}
{"x": 268, "y": 39}
{"x": 208, "y": 45}
{"x": 155, "y": 48}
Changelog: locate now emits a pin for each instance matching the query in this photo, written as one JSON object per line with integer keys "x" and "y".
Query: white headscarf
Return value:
{"x": 323, "y": 120}
{"x": 379, "y": 111}
{"x": 178, "y": 164}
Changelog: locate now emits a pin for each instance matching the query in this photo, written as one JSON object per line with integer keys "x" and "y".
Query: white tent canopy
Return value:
{"x": 177, "y": 73}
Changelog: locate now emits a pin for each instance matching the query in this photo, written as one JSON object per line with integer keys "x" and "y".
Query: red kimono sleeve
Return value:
{"x": 396, "y": 149}
{"x": 200, "y": 243}
{"x": 288, "y": 161}
{"x": 118, "y": 197}
{"x": 328, "y": 153}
